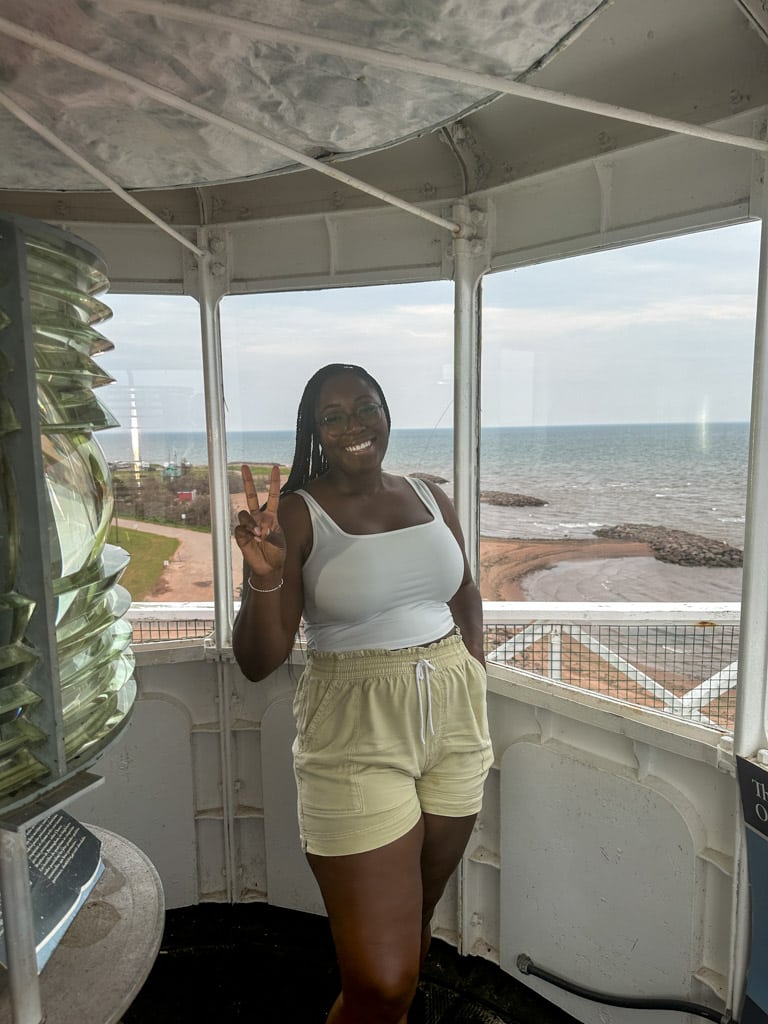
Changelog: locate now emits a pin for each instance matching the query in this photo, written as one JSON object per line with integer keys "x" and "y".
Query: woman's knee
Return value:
{"x": 381, "y": 995}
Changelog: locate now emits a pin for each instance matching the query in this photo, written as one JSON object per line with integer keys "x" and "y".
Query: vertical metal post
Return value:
{"x": 211, "y": 287}
{"x": 470, "y": 263}
{"x": 752, "y": 677}
{"x": 23, "y": 979}
{"x": 212, "y": 283}
{"x": 224, "y": 687}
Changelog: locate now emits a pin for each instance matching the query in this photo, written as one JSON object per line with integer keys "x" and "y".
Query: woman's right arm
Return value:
{"x": 273, "y": 550}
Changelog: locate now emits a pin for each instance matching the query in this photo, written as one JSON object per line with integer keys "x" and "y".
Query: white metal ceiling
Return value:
{"x": 151, "y": 92}
{"x": 554, "y": 179}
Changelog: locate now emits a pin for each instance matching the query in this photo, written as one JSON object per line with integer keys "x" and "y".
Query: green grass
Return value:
{"x": 148, "y": 552}
{"x": 175, "y": 523}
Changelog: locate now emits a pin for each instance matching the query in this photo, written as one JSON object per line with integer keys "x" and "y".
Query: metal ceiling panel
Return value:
{"x": 147, "y": 96}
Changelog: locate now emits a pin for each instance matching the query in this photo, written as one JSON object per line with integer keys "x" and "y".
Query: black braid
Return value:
{"x": 309, "y": 461}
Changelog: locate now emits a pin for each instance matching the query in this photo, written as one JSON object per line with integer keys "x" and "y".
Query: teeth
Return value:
{"x": 359, "y": 447}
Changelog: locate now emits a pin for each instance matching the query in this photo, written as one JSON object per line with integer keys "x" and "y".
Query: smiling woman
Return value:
{"x": 392, "y": 746}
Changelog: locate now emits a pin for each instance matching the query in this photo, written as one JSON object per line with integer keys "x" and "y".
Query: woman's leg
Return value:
{"x": 374, "y": 903}
{"x": 444, "y": 842}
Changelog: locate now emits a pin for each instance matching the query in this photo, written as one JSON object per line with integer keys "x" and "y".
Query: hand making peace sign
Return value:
{"x": 258, "y": 534}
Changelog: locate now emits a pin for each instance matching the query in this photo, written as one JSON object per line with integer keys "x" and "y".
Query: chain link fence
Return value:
{"x": 686, "y": 670}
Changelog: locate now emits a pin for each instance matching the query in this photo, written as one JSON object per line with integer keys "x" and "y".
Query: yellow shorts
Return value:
{"x": 384, "y": 735}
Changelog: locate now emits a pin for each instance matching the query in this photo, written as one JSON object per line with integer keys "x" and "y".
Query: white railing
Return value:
{"x": 680, "y": 659}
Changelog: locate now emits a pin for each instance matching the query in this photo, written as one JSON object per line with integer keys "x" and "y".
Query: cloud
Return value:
{"x": 533, "y": 322}
{"x": 268, "y": 328}
{"x": 560, "y": 341}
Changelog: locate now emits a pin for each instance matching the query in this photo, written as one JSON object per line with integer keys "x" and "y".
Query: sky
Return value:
{"x": 654, "y": 332}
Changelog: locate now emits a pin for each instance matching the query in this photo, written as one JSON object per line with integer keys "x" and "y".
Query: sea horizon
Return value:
{"x": 689, "y": 476}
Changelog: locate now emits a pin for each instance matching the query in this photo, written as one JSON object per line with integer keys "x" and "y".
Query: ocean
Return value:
{"x": 683, "y": 476}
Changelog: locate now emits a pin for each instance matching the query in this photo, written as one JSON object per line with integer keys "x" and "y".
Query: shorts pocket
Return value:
{"x": 476, "y": 697}
{"x": 313, "y": 704}
{"x": 479, "y": 697}
{"x": 480, "y": 670}
{"x": 477, "y": 679}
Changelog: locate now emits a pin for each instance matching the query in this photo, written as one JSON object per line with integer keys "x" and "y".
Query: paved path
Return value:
{"x": 189, "y": 574}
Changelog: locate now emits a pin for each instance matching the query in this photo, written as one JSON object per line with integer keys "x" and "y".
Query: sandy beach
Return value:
{"x": 595, "y": 570}
{"x": 506, "y": 565}
{"x": 632, "y": 579}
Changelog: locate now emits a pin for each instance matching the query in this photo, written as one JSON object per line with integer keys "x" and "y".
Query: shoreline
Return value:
{"x": 508, "y": 567}
{"x": 505, "y": 562}
{"x": 514, "y": 569}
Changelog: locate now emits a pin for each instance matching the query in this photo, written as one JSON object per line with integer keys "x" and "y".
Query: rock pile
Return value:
{"x": 677, "y": 546}
{"x": 510, "y": 500}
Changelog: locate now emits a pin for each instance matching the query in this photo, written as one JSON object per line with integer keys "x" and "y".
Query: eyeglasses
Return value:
{"x": 337, "y": 423}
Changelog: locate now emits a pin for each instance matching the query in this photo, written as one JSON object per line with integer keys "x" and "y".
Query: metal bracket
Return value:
{"x": 217, "y": 264}
{"x": 472, "y": 243}
{"x": 472, "y": 218}
{"x": 212, "y": 652}
{"x": 726, "y": 760}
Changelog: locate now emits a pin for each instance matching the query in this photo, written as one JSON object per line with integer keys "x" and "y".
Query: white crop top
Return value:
{"x": 379, "y": 590}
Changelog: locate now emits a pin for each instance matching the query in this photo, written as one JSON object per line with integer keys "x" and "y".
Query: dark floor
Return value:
{"x": 253, "y": 962}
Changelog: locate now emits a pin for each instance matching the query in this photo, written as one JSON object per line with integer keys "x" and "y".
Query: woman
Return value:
{"x": 392, "y": 746}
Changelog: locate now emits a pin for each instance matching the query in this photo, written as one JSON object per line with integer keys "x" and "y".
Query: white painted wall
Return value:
{"x": 604, "y": 849}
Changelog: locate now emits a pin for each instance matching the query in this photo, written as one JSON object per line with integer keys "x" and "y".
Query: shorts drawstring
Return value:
{"x": 423, "y": 666}
{"x": 365, "y": 776}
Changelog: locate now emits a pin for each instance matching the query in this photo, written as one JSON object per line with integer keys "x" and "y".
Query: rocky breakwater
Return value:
{"x": 677, "y": 546}
{"x": 507, "y": 500}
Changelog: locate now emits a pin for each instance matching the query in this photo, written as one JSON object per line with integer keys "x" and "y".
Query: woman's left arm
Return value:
{"x": 467, "y": 610}
{"x": 466, "y": 604}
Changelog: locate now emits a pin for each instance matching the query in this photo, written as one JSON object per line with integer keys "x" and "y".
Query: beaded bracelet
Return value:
{"x": 270, "y": 590}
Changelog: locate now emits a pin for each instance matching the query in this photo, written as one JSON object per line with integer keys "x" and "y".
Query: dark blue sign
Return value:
{"x": 753, "y": 782}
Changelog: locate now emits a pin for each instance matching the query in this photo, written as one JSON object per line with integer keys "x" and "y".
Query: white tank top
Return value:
{"x": 379, "y": 590}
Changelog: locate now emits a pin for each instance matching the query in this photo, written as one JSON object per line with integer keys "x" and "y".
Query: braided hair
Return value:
{"x": 309, "y": 461}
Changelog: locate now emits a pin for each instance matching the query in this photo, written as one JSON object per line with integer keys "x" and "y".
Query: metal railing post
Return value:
{"x": 752, "y": 678}
{"x": 750, "y": 728}
{"x": 471, "y": 256}
{"x": 23, "y": 980}
{"x": 211, "y": 286}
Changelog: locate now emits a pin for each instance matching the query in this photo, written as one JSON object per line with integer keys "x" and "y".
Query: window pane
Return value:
{"x": 616, "y": 394}
{"x": 158, "y": 454}
{"x": 401, "y": 334}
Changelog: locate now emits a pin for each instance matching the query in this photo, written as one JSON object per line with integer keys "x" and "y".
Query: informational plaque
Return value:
{"x": 753, "y": 782}
{"x": 64, "y": 865}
